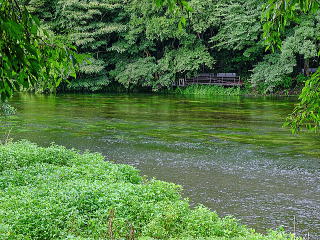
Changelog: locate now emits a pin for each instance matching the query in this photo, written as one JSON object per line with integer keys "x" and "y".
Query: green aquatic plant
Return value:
{"x": 6, "y": 109}
{"x": 56, "y": 193}
{"x": 208, "y": 90}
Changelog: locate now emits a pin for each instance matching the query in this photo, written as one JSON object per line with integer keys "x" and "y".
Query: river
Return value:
{"x": 229, "y": 153}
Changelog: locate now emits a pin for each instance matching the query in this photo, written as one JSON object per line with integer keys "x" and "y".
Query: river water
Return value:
{"x": 229, "y": 153}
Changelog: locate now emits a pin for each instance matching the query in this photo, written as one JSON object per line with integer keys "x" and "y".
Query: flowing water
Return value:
{"x": 229, "y": 153}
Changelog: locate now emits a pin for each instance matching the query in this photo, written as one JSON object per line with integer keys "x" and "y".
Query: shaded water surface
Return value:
{"x": 228, "y": 153}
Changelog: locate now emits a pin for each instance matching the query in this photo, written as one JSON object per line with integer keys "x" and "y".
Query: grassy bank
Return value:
{"x": 55, "y": 193}
{"x": 207, "y": 90}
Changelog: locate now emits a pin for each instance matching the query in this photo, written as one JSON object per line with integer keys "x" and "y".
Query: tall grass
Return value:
{"x": 56, "y": 193}
{"x": 208, "y": 90}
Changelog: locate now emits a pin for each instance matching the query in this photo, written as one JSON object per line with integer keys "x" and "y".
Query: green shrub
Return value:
{"x": 272, "y": 74}
{"x": 301, "y": 79}
{"x": 56, "y": 193}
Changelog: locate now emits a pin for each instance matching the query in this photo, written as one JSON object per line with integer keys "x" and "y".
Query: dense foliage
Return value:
{"x": 307, "y": 112}
{"x": 304, "y": 41}
{"x": 132, "y": 43}
{"x": 139, "y": 44}
{"x": 29, "y": 55}
{"x": 279, "y": 14}
{"x": 55, "y": 193}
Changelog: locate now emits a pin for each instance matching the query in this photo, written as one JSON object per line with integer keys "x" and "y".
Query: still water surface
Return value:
{"x": 229, "y": 153}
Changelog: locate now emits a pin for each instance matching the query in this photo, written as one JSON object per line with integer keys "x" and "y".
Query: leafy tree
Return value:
{"x": 272, "y": 73}
{"x": 177, "y": 51}
{"x": 307, "y": 112}
{"x": 131, "y": 42}
{"x": 278, "y": 15}
{"x": 300, "y": 44}
{"x": 138, "y": 72}
{"x": 174, "y": 5}
{"x": 93, "y": 27}
{"x": 236, "y": 39}
{"x": 29, "y": 55}
{"x": 239, "y": 27}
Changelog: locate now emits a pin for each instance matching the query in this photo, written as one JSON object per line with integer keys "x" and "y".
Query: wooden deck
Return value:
{"x": 219, "y": 79}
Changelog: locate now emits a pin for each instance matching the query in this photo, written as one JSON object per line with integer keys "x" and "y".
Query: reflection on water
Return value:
{"x": 229, "y": 153}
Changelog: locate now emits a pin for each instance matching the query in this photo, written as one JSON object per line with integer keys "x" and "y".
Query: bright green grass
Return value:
{"x": 55, "y": 193}
{"x": 208, "y": 90}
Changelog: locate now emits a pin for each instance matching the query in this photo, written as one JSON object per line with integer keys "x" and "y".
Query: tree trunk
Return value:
{"x": 306, "y": 67}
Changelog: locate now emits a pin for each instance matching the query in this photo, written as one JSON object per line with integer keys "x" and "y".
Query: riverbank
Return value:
{"x": 50, "y": 193}
{"x": 195, "y": 89}
{"x": 208, "y": 90}
{"x": 211, "y": 90}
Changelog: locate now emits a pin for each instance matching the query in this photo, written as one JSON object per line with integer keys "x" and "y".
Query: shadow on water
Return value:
{"x": 229, "y": 153}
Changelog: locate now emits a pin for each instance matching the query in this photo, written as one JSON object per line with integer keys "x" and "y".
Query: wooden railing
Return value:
{"x": 221, "y": 79}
